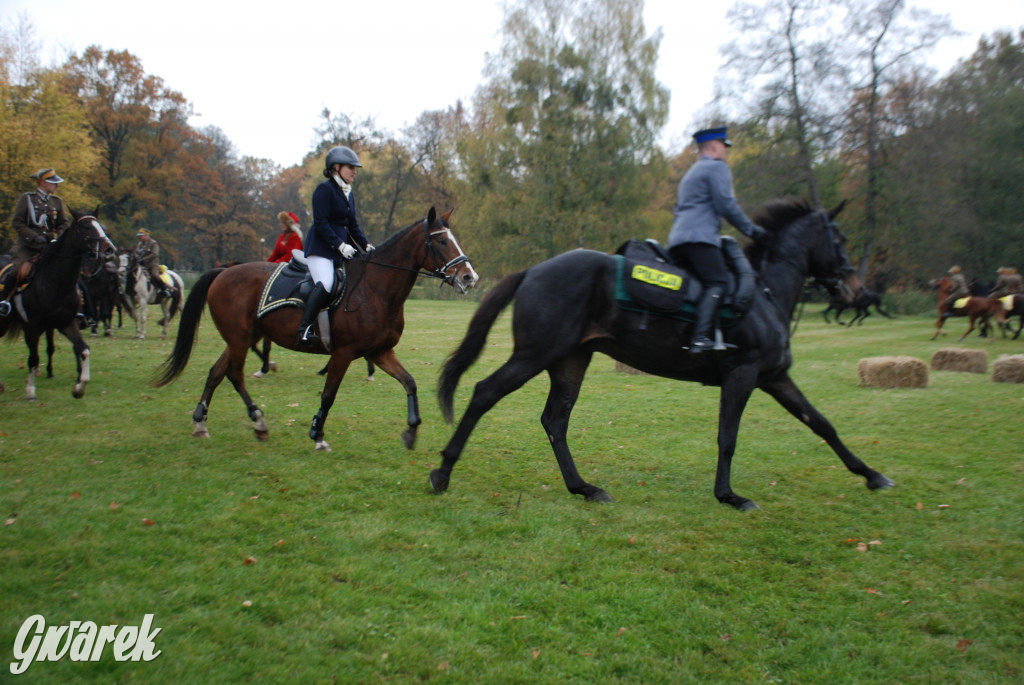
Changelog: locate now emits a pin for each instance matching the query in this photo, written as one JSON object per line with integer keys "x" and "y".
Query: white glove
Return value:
{"x": 370, "y": 247}
{"x": 346, "y": 250}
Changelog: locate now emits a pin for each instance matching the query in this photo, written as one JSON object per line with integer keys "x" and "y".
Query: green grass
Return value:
{"x": 362, "y": 575}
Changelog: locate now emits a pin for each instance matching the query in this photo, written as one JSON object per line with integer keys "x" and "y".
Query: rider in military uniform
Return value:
{"x": 959, "y": 289}
{"x": 39, "y": 217}
{"x": 1008, "y": 283}
{"x": 147, "y": 253}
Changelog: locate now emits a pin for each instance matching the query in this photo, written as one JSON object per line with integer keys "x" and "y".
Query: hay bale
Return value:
{"x": 1009, "y": 369}
{"x": 625, "y": 368}
{"x": 893, "y": 372}
{"x": 956, "y": 359}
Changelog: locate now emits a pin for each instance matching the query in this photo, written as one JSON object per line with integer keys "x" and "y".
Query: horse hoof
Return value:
{"x": 273, "y": 366}
{"x": 78, "y": 393}
{"x": 201, "y": 433}
{"x": 880, "y": 482}
{"x": 258, "y": 374}
{"x": 599, "y": 495}
{"x": 409, "y": 438}
{"x": 748, "y": 505}
{"x": 322, "y": 446}
{"x": 262, "y": 436}
{"x": 438, "y": 481}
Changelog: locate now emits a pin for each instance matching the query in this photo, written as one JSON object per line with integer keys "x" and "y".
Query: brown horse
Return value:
{"x": 367, "y": 323}
{"x": 975, "y": 307}
{"x": 1002, "y": 315}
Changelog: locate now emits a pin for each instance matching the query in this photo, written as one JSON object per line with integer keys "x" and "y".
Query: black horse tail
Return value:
{"x": 191, "y": 313}
{"x": 479, "y": 326}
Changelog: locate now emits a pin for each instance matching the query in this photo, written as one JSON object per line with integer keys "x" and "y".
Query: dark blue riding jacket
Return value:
{"x": 334, "y": 221}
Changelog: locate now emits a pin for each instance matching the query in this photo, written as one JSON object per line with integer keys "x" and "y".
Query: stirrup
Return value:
{"x": 307, "y": 336}
{"x": 5, "y": 308}
{"x": 720, "y": 343}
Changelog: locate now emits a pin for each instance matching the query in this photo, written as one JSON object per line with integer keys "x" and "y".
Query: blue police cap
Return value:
{"x": 720, "y": 133}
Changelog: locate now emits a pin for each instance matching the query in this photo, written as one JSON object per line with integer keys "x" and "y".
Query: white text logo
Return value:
{"x": 81, "y": 641}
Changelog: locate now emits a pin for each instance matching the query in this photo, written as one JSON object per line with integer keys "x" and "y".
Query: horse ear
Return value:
{"x": 832, "y": 213}
{"x": 431, "y": 217}
{"x": 447, "y": 215}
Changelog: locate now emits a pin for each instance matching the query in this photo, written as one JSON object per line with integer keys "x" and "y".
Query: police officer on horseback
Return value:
{"x": 39, "y": 217}
{"x": 335, "y": 234}
{"x": 705, "y": 197}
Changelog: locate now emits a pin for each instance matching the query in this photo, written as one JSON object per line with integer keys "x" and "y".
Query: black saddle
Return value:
{"x": 648, "y": 281}
{"x": 291, "y": 284}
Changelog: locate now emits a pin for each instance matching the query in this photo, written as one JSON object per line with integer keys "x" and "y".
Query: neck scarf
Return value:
{"x": 345, "y": 187}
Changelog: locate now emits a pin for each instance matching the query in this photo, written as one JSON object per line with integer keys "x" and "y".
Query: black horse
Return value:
{"x": 50, "y": 301}
{"x": 566, "y": 310}
{"x": 101, "y": 279}
{"x": 861, "y": 305}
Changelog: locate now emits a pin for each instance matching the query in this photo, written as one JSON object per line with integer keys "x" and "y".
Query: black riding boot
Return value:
{"x": 6, "y": 286}
{"x": 86, "y": 317}
{"x": 707, "y": 311}
{"x": 306, "y": 335}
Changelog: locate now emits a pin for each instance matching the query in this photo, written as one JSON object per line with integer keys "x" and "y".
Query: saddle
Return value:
{"x": 291, "y": 284}
{"x": 647, "y": 281}
{"x": 18, "y": 280}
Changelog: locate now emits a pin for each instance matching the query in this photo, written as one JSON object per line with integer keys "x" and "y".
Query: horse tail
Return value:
{"x": 476, "y": 336}
{"x": 191, "y": 313}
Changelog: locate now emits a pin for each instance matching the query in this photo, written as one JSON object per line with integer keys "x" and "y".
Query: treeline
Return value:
{"x": 559, "y": 147}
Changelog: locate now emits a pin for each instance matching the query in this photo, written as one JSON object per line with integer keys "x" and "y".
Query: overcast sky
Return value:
{"x": 264, "y": 71}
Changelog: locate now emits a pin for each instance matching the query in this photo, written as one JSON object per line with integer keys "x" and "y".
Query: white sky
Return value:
{"x": 264, "y": 71}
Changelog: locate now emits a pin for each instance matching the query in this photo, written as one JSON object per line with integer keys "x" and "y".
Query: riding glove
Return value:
{"x": 346, "y": 250}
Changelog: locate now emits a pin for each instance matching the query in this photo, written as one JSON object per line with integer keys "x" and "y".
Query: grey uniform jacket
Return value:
{"x": 705, "y": 198}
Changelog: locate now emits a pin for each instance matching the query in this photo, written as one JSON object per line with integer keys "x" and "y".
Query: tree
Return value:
{"x": 564, "y": 127}
{"x": 888, "y": 37}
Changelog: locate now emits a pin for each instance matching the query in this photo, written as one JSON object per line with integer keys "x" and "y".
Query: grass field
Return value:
{"x": 270, "y": 562}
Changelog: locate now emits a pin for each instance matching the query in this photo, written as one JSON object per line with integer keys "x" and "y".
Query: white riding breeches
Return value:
{"x": 322, "y": 271}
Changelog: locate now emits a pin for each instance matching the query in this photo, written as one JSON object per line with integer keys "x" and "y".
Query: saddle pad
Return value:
{"x": 290, "y": 286}
{"x": 960, "y": 303}
{"x": 1007, "y": 301}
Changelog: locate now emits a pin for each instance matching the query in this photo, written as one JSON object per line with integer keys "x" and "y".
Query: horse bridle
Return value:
{"x": 837, "y": 280}
{"x": 433, "y": 255}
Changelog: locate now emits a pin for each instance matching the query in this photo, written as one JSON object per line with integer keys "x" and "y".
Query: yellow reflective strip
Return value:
{"x": 659, "y": 278}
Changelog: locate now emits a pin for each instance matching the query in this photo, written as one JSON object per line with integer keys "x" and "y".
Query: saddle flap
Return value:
{"x": 290, "y": 285}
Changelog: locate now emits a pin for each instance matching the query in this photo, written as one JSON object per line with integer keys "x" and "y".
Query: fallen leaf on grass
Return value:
{"x": 872, "y": 590}
{"x": 279, "y": 543}
{"x": 861, "y": 547}
{"x": 76, "y": 495}
{"x": 115, "y": 505}
{"x": 248, "y": 560}
{"x": 443, "y": 666}
{"x": 247, "y": 604}
{"x": 536, "y": 654}
{"x": 920, "y": 506}
{"x": 621, "y": 631}
{"x": 148, "y": 522}
{"x": 943, "y": 506}
{"x": 963, "y": 644}
{"x": 10, "y": 521}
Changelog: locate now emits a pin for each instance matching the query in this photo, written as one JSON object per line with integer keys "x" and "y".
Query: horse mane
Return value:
{"x": 51, "y": 250}
{"x": 395, "y": 237}
{"x": 775, "y": 214}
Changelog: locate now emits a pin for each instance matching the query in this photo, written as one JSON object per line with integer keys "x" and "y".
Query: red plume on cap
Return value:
{"x": 288, "y": 218}
{"x": 295, "y": 219}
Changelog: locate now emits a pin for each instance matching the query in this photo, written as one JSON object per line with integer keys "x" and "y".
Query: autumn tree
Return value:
{"x": 563, "y": 129}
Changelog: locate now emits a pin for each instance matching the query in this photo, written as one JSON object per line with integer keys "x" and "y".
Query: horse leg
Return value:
{"x": 32, "y": 341}
{"x": 970, "y": 327}
{"x": 235, "y": 371}
{"x": 507, "y": 379}
{"x": 335, "y": 373}
{"x": 50, "y": 349}
{"x": 82, "y": 352}
{"x": 213, "y": 379}
{"x": 264, "y": 355}
{"x": 737, "y": 387}
{"x": 392, "y": 367}
{"x": 566, "y": 378}
{"x": 785, "y": 392}
{"x": 141, "y": 311}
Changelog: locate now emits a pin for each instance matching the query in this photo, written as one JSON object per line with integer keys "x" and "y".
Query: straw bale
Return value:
{"x": 1009, "y": 369}
{"x": 893, "y": 372}
{"x": 957, "y": 359}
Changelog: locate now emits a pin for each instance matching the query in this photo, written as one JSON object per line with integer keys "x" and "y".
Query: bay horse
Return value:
{"x": 50, "y": 301}
{"x": 565, "y": 311}
{"x": 141, "y": 293}
{"x": 368, "y": 322}
{"x": 976, "y": 307}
